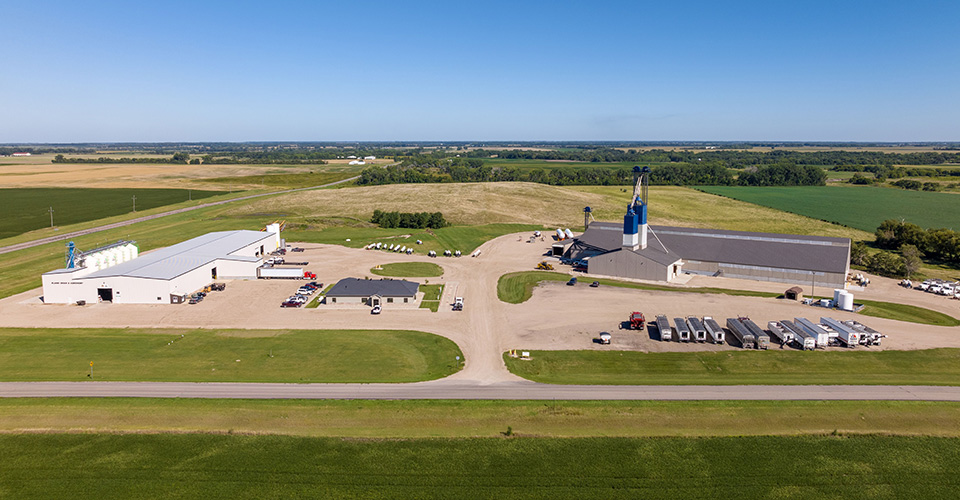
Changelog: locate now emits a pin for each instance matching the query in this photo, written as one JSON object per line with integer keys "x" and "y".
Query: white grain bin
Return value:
{"x": 846, "y": 301}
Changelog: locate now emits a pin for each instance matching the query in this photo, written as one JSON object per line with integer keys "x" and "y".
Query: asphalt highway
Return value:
{"x": 447, "y": 389}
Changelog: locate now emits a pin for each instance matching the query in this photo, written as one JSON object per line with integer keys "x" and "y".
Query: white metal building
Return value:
{"x": 158, "y": 276}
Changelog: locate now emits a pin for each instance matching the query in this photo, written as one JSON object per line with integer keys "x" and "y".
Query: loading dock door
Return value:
{"x": 213, "y": 273}
{"x": 105, "y": 294}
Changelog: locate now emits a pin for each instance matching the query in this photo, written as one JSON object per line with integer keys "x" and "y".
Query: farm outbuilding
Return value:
{"x": 163, "y": 275}
{"x": 372, "y": 292}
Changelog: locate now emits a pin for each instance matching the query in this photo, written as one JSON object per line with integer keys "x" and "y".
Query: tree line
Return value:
{"x": 904, "y": 245}
{"x": 176, "y": 158}
{"x": 418, "y": 220}
{"x": 710, "y": 174}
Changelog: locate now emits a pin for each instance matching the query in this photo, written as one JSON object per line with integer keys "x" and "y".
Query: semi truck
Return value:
{"x": 697, "y": 329}
{"x": 762, "y": 340}
{"x": 637, "y": 320}
{"x": 290, "y": 273}
{"x": 714, "y": 330}
{"x": 683, "y": 333}
{"x": 804, "y": 340}
{"x": 847, "y": 334}
{"x": 663, "y": 326}
{"x": 741, "y": 333}
{"x": 821, "y": 335}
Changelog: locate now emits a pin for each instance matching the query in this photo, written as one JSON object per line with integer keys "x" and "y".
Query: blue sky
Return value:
{"x": 237, "y": 71}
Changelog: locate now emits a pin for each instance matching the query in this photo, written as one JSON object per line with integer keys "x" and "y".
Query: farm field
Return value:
{"x": 26, "y": 209}
{"x": 409, "y": 270}
{"x": 225, "y": 355}
{"x": 861, "y": 207}
{"x": 412, "y": 419}
{"x": 745, "y": 367}
{"x": 224, "y": 466}
{"x": 314, "y": 177}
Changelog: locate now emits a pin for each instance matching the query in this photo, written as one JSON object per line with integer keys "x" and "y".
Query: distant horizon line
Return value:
{"x": 501, "y": 142}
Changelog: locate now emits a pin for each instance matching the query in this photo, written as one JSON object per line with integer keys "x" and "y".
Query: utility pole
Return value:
{"x": 190, "y": 195}
{"x": 51, "y": 217}
{"x": 134, "y": 203}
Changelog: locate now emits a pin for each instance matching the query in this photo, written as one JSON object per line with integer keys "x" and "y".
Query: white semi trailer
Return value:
{"x": 822, "y": 336}
{"x": 290, "y": 273}
{"x": 714, "y": 330}
{"x": 847, "y": 334}
{"x": 801, "y": 337}
{"x": 663, "y": 326}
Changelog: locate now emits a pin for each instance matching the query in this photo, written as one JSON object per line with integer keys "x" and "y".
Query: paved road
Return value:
{"x": 447, "y": 389}
{"x": 74, "y": 234}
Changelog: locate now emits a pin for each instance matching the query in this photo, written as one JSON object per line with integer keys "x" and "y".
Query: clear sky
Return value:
{"x": 813, "y": 70}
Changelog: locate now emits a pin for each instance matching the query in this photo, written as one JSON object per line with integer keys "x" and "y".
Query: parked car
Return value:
{"x": 595, "y": 284}
{"x": 291, "y": 303}
{"x": 305, "y": 290}
{"x": 573, "y": 281}
{"x": 375, "y": 310}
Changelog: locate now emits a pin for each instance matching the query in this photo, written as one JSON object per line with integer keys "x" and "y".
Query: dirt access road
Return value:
{"x": 556, "y": 317}
{"x": 74, "y": 234}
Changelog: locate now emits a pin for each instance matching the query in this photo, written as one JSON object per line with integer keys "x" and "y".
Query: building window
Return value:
{"x": 389, "y": 300}
{"x": 158, "y": 298}
{"x": 333, "y": 299}
{"x": 405, "y": 300}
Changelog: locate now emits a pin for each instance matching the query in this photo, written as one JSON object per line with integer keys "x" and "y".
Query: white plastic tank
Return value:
{"x": 560, "y": 234}
{"x": 836, "y": 295}
{"x": 846, "y": 301}
{"x": 134, "y": 251}
{"x": 568, "y": 233}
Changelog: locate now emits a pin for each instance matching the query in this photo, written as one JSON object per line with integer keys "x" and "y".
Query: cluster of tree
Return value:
{"x": 883, "y": 172}
{"x": 178, "y": 157}
{"x": 889, "y": 264}
{"x": 418, "y": 220}
{"x": 916, "y": 185}
{"x": 942, "y": 244}
{"x": 783, "y": 174}
{"x": 861, "y": 179}
{"x": 689, "y": 175}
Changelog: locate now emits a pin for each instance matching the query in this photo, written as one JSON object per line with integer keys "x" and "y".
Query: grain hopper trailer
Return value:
{"x": 714, "y": 330}
{"x": 697, "y": 329}
{"x": 760, "y": 337}
{"x": 683, "y": 333}
{"x": 741, "y": 333}
{"x": 778, "y": 333}
{"x": 663, "y": 326}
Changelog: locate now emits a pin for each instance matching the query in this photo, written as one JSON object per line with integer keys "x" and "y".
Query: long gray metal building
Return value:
{"x": 636, "y": 250}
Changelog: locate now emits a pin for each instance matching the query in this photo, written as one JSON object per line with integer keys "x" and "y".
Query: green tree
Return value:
{"x": 885, "y": 264}
{"x": 180, "y": 157}
{"x": 911, "y": 259}
{"x": 858, "y": 253}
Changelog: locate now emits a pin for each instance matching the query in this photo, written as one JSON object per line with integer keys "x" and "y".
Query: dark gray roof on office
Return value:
{"x": 353, "y": 287}
{"x": 786, "y": 251}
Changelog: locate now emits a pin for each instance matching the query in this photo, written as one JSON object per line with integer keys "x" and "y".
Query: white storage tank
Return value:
{"x": 846, "y": 301}
{"x": 568, "y": 233}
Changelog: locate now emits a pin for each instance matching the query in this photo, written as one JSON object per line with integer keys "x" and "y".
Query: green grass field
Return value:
{"x": 463, "y": 238}
{"x": 860, "y": 207}
{"x": 409, "y": 270}
{"x": 431, "y": 297}
{"x": 222, "y": 466}
{"x": 516, "y": 288}
{"x": 413, "y": 419}
{"x": 742, "y": 367}
{"x": 906, "y": 312}
{"x": 281, "y": 180}
{"x": 211, "y": 355}
{"x": 27, "y": 209}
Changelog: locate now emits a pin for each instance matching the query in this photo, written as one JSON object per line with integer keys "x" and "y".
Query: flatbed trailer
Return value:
{"x": 778, "y": 333}
{"x": 697, "y": 329}
{"x": 761, "y": 338}
{"x": 740, "y": 332}
{"x": 663, "y": 326}
{"x": 801, "y": 337}
{"x": 683, "y": 333}
{"x": 822, "y": 336}
{"x": 849, "y": 335}
{"x": 714, "y": 330}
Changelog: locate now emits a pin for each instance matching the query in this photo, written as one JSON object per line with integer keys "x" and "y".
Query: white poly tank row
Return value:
{"x": 110, "y": 256}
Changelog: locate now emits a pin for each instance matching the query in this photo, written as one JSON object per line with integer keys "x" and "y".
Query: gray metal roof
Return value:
{"x": 170, "y": 262}
{"x": 353, "y": 287}
{"x": 786, "y": 251}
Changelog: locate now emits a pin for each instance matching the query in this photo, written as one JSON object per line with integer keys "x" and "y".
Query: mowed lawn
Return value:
{"x": 742, "y": 367}
{"x": 412, "y": 419}
{"x": 26, "y": 209}
{"x": 409, "y": 270}
{"x": 860, "y": 207}
{"x": 225, "y": 355}
{"x": 108, "y": 466}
